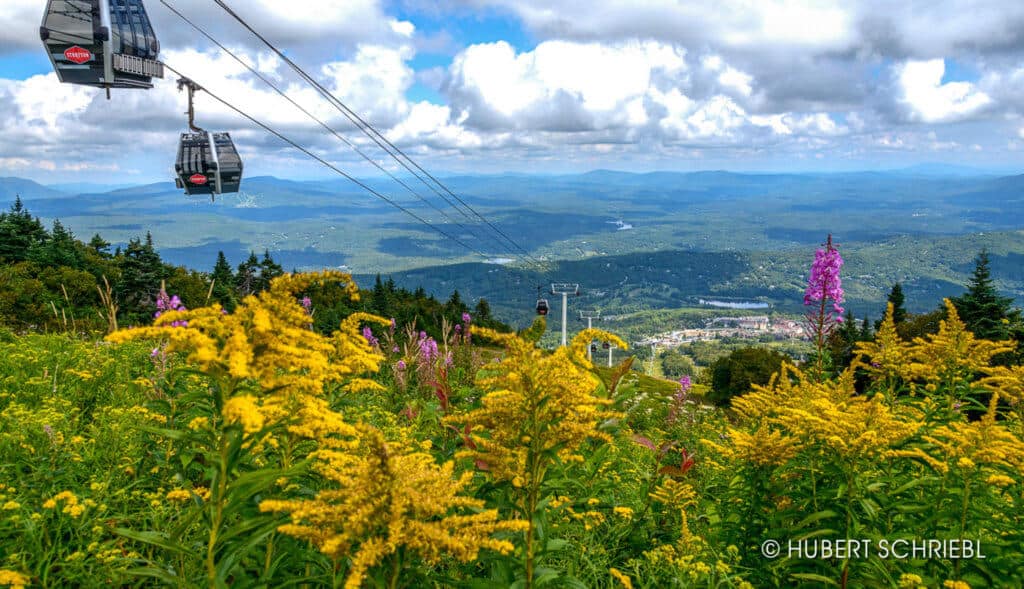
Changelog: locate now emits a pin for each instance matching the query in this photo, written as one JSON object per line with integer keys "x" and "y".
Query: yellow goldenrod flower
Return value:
{"x": 536, "y": 402}
{"x": 179, "y": 495}
{"x": 388, "y": 496}
{"x": 623, "y": 579}
{"x": 13, "y": 579}
{"x": 622, "y": 511}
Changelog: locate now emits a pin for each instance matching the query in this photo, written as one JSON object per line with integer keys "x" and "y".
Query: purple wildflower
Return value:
{"x": 684, "y": 384}
{"x": 169, "y": 303}
{"x": 394, "y": 324}
{"x": 824, "y": 283}
{"x": 400, "y": 365}
{"x": 370, "y": 339}
{"x": 394, "y": 349}
{"x": 307, "y": 303}
{"x": 458, "y": 328}
{"x": 428, "y": 349}
{"x": 466, "y": 318}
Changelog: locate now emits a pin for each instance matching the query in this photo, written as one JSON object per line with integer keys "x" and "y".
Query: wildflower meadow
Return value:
{"x": 244, "y": 448}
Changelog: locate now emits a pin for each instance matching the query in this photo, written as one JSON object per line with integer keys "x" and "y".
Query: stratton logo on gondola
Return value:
{"x": 197, "y": 179}
{"x": 77, "y": 55}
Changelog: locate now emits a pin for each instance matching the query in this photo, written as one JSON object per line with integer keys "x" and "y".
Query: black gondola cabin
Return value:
{"x": 102, "y": 43}
{"x": 208, "y": 163}
{"x": 542, "y": 307}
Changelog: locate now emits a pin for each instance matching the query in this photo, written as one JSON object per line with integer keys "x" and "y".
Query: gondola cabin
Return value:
{"x": 102, "y": 43}
{"x": 542, "y": 307}
{"x": 207, "y": 163}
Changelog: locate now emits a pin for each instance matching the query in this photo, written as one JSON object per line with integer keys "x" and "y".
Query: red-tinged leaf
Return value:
{"x": 645, "y": 442}
{"x": 480, "y": 464}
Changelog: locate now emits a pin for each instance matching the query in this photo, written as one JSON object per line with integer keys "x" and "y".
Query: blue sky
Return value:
{"x": 526, "y": 85}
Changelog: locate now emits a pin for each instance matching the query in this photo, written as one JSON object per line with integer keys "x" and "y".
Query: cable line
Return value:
{"x": 328, "y": 164}
{"x": 330, "y": 129}
{"x": 375, "y": 135}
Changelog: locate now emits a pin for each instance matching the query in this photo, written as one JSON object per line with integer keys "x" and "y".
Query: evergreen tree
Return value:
{"x": 899, "y": 312}
{"x": 269, "y": 270}
{"x": 482, "y": 311}
{"x": 455, "y": 306}
{"x": 224, "y": 283}
{"x": 19, "y": 231}
{"x": 248, "y": 276}
{"x": 100, "y": 246}
{"x": 379, "y": 297}
{"x": 865, "y": 331}
{"x": 843, "y": 340}
{"x": 142, "y": 270}
{"x": 59, "y": 250}
{"x": 987, "y": 314}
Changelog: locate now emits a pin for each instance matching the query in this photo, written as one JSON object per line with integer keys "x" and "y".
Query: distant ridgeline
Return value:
{"x": 49, "y": 280}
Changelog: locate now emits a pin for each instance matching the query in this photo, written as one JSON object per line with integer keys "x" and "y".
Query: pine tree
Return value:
{"x": 100, "y": 246}
{"x": 454, "y": 305}
{"x": 19, "y": 231}
{"x": 899, "y": 312}
{"x": 269, "y": 270}
{"x": 142, "y": 270}
{"x": 224, "y": 283}
{"x": 59, "y": 250}
{"x": 248, "y": 275}
{"x": 987, "y": 314}
{"x": 865, "y": 331}
{"x": 482, "y": 311}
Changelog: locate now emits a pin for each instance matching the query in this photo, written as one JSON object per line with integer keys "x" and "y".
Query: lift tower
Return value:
{"x": 565, "y": 289}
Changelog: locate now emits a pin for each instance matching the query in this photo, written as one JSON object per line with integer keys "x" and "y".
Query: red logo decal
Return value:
{"x": 197, "y": 179}
{"x": 77, "y": 55}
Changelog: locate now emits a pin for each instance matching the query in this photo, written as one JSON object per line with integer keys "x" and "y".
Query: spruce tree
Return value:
{"x": 19, "y": 231}
{"x": 899, "y": 312}
{"x": 987, "y": 314}
{"x": 248, "y": 275}
{"x": 865, "y": 334}
{"x": 223, "y": 283}
{"x": 455, "y": 306}
{"x": 100, "y": 246}
{"x": 142, "y": 270}
{"x": 59, "y": 250}
{"x": 269, "y": 270}
{"x": 482, "y": 311}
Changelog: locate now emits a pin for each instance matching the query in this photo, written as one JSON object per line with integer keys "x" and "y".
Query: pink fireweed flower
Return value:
{"x": 370, "y": 339}
{"x": 466, "y": 318}
{"x": 684, "y": 384}
{"x": 169, "y": 303}
{"x": 824, "y": 283}
{"x": 400, "y": 365}
{"x": 307, "y": 303}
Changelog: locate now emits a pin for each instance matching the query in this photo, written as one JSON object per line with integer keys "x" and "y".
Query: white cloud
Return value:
{"x": 585, "y": 85}
{"x": 931, "y": 101}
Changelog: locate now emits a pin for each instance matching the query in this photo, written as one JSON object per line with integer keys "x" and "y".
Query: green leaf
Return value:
{"x": 816, "y": 517}
{"x": 814, "y": 577}
{"x": 155, "y": 538}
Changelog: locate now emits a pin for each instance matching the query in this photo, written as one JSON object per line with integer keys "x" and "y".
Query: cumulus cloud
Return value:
{"x": 619, "y": 78}
{"x": 931, "y": 101}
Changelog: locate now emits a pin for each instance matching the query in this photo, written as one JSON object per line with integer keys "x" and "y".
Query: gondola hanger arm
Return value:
{"x": 191, "y": 87}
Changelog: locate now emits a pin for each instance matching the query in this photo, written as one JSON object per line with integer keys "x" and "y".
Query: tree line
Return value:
{"x": 51, "y": 280}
